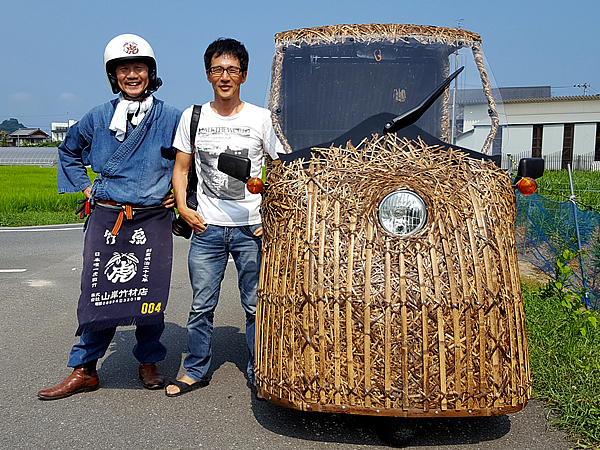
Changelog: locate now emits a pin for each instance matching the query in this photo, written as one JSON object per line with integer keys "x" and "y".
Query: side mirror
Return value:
{"x": 235, "y": 166}
{"x": 531, "y": 168}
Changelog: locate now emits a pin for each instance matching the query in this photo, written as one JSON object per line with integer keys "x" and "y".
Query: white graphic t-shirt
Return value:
{"x": 223, "y": 200}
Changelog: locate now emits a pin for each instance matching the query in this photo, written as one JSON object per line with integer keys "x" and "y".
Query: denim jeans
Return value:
{"x": 207, "y": 260}
{"x": 93, "y": 345}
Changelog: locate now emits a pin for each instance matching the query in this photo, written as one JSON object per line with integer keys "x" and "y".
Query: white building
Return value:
{"x": 562, "y": 130}
{"x": 59, "y": 129}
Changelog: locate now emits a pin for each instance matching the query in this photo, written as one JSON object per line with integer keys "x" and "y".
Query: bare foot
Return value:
{"x": 173, "y": 389}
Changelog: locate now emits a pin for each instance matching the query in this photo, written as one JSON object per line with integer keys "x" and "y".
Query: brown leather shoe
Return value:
{"x": 83, "y": 379}
{"x": 151, "y": 377}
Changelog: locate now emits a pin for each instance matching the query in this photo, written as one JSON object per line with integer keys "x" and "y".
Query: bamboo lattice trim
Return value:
{"x": 352, "y": 319}
{"x": 393, "y": 31}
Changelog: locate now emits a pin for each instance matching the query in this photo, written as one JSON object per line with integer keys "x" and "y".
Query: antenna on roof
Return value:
{"x": 584, "y": 86}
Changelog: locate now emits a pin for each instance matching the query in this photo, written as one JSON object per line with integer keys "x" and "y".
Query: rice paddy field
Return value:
{"x": 554, "y": 185}
{"x": 29, "y": 196}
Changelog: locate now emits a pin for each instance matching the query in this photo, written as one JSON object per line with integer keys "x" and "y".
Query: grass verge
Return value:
{"x": 32, "y": 218}
{"x": 565, "y": 365}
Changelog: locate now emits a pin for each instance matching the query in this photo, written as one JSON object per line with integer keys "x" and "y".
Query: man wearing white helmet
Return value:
{"x": 128, "y": 242}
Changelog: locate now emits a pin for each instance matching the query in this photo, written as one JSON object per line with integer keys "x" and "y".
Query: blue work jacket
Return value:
{"x": 137, "y": 171}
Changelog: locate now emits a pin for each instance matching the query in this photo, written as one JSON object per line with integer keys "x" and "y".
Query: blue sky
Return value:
{"x": 51, "y": 55}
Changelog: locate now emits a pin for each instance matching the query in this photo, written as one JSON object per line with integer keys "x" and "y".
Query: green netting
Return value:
{"x": 545, "y": 229}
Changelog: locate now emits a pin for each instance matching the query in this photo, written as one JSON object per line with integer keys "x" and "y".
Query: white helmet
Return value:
{"x": 130, "y": 48}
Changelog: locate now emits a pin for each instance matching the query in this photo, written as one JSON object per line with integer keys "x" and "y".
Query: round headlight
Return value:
{"x": 402, "y": 213}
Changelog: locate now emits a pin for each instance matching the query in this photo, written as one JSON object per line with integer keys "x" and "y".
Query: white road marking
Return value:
{"x": 40, "y": 283}
{"x": 29, "y": 229}
{"x": 12, "y": 270}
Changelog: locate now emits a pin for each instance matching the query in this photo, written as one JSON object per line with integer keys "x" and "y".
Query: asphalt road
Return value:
{"x": 40, "y": 269}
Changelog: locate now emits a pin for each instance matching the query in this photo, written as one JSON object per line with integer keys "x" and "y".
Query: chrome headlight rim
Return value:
{"x": 418, "y": 204}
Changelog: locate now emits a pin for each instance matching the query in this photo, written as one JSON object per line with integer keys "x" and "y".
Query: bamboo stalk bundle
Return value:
{"x": 353, "y": 319}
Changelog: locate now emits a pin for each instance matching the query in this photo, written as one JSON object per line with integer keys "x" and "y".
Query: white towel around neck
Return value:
{"x": 118, "y": 124}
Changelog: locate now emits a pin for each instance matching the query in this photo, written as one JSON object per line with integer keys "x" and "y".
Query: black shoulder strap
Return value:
{"x": 192, "y": 178}
{"x": 194, "y": 124}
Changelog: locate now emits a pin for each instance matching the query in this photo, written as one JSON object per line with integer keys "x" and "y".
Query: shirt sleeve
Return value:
{"x": 73, "y": 157}
{"x": 182, "y": 135}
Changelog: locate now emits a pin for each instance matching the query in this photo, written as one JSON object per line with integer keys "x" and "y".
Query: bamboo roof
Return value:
{"x": 392, "y": 29}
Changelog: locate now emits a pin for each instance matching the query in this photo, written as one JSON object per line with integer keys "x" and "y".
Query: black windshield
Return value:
{"x": 333, "y": 91}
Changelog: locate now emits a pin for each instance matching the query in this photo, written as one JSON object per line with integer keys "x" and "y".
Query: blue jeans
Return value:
{"x": 93, "y": 345}
{"x": 207, "y": 260}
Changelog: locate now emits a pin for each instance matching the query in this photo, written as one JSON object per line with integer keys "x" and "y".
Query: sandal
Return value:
{"x": 184, "y": 388}
{"x": 257, "y": 394}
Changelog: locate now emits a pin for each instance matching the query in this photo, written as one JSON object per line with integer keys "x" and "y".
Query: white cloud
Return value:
{"x": 21, "y": 97}
{"x": 66, "y": 97}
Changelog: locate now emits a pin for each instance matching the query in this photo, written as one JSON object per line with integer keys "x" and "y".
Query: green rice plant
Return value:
{"x": 29, "y": 196}
{"x": 554, "y": 185}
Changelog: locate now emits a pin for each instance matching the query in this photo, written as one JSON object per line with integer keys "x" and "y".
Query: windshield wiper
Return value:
{"x": 410, "y": 117}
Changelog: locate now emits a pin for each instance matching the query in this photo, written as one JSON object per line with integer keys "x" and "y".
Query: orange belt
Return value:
{"x": 126, "y": 210}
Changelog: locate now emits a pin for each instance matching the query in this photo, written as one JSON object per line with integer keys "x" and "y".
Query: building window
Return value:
{"x": 536, "y": 144}
{"x": 597, "y": 149}
{"x": 567, "y": 153}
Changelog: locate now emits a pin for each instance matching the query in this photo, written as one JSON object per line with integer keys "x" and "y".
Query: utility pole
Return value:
{"x": 584, "y": 86}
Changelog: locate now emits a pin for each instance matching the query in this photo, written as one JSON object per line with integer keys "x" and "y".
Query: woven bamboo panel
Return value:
{"x": 353, "y": 319}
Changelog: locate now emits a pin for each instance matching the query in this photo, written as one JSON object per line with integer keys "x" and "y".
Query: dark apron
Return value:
{"x": 126, "y": 277}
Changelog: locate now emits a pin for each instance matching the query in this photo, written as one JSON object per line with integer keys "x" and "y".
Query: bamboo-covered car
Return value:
{"x": 389, "y": 282}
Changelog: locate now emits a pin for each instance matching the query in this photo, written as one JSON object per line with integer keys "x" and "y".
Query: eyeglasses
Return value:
{"x": 232, "y": 71}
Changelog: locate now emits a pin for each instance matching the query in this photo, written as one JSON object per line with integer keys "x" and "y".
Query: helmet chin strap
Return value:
{"x": 141, "y": 97}
{"x": 147, "y": 92}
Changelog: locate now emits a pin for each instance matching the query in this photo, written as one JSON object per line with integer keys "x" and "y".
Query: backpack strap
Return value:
{"x": 194, "y": 125}
{"x": 192, "y": 177}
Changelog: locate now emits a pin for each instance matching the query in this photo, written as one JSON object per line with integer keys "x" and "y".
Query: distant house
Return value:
{"x": 29, "y": 135}
{"x": 562, "y": 130}
{"x": 59, "y": 129}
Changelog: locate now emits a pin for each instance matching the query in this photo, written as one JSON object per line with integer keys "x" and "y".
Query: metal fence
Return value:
{"x": 511, "y": 161}
{"x": 28, "y": 156}
{"x": 554, "y": 161}
{"x": 585, "y": 162}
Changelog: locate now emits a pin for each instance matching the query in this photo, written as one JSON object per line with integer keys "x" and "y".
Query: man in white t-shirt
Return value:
{"x": 227, "y": 220}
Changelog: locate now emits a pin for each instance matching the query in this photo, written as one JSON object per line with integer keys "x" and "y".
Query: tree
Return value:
{"x": 3, "y": 135}
{"x": 11, "y": 125}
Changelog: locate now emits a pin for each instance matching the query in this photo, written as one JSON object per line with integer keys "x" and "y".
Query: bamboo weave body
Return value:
{"x": 352, "y": 319}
